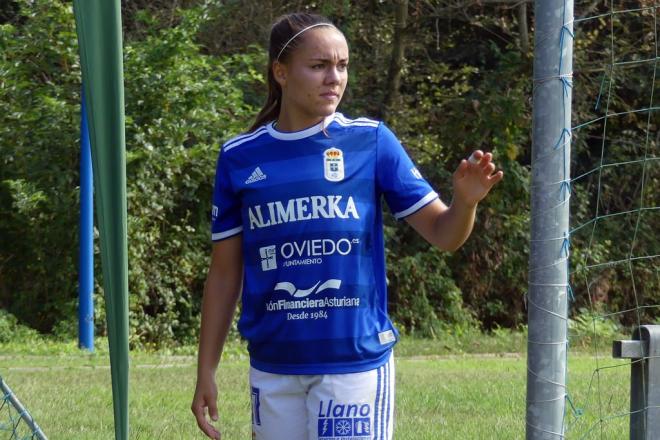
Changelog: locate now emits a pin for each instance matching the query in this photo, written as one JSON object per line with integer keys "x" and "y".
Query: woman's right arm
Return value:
{"x": 221, "y": 291}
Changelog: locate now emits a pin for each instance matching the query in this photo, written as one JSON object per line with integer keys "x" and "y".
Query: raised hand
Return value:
{"x": 474, "y": 178}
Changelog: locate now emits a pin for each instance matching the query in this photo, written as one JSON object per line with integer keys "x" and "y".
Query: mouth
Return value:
{"x": 330, "y": 95}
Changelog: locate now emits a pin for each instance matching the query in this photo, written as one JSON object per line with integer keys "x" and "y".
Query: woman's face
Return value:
{"x": 313, "y": 77}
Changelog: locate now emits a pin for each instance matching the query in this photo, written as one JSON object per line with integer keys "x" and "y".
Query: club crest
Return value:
{"x": 333, "y": 164}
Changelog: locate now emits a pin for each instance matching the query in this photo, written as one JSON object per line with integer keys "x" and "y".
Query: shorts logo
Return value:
{"x": 333, "y": 165}
{"x": 349, "y": 421}
{"x": 301, "y": 293}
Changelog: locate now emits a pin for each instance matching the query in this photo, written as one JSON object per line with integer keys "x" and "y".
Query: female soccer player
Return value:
{"x": 297, "y": 228}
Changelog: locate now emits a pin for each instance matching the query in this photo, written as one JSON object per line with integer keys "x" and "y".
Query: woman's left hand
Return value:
{"x": 474, "y": 178}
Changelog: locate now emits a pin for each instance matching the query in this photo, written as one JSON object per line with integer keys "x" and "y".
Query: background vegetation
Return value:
{"x": 448, "y": 76}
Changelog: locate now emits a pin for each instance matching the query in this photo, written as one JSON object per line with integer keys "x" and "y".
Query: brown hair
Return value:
{"x": 281, "y": 32}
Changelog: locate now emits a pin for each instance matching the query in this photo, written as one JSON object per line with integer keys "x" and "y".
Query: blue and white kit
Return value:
{"x": 308, "y": 204}
{"x": 355, "y": 406}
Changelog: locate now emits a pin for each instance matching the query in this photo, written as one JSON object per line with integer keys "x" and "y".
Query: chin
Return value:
{"x": 327, "y": 110}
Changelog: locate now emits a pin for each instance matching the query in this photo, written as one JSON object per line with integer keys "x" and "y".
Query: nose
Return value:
{"x": 333, "y": 75}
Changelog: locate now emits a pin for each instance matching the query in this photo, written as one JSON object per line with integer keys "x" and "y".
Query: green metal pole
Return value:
{"x": 100, "y": 39}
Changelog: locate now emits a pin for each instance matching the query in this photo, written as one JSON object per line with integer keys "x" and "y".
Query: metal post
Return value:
{"x": 35, "y": 430}
{"x": 644, "y": 350}
{"x": 547, "y": 301}
{"x": 86, "y": 231}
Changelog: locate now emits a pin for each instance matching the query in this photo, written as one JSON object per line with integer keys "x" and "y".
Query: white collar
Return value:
{"x": 293, "y": 135}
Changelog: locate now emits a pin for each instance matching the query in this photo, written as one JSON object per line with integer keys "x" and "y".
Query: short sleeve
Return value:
{"x": 226, "y": 211}
{"x": 403, "y": 186}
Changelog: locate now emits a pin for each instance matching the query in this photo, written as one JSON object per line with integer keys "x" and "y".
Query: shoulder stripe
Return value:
{"x": 417, "y": 206}
{"x": 373, "y": 121}
{"x": 343, "y": 124}
{"x": 235, "y": 142}
{"x": 244, "y": 135}
{"x": 356, "y": 124}
{"x": 341, "y": 116}
{"x": 226, "y": 234}
{"x": 362, "y": 122}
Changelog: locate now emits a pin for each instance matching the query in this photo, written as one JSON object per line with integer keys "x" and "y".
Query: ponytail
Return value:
{"x": 271, "y": 109}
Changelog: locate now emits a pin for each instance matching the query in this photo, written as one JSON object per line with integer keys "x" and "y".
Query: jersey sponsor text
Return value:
{"x": 308, "y": 303}
{"x": 305, "y": 252}
{"x": 302, "y": 209}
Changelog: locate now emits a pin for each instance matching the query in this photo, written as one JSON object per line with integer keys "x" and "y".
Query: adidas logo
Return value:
{"x": 256, "y": 176}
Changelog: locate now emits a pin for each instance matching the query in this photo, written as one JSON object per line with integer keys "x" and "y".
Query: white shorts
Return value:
{"x": 355, "y": 406}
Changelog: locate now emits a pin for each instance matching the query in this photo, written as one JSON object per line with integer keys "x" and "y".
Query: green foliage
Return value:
{"x": 425, "y": 299}
{"x": 11, "y": 329}
{"x": 180, "y": 105}
{"x": 591, "y": 329}
{"x": 194, "y": 77}
{"x": 462, "y": 93}
{"x": 39, "y": 91}
{"x": 616, "y": 196}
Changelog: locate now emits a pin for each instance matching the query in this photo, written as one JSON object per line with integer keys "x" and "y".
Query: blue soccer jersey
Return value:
{"x": 308, "y": 204}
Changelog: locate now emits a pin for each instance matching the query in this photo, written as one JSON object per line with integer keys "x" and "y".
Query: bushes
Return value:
{"x": 180, "y": 105}
{"x": 39, "y": 96}
{"x": 11, "y": 329}
{"x": 193, "y": 78}
{"x": 184, "y": 95}
{"x": 425, "y": 299}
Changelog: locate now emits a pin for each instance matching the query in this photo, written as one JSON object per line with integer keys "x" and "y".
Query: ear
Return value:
{"x": 279, "y": 73}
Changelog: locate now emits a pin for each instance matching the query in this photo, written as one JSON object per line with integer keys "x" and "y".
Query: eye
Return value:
{"x": 342, "y": 66}
{"x": 318, "y": 66}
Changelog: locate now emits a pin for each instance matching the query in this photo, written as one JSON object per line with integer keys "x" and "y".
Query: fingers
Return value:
{"x": 462, "y": 168}
{"x": 480, "y": 159}
{"x": 489, "y": 169}
{"x": 486, "y": 160}
{"x": 495, "y": 178}
{"x": 197, "y": 409}
{"x": 480, "y": 162}
{"x": 475, "y": 157}
{"x": 213, "y": 411}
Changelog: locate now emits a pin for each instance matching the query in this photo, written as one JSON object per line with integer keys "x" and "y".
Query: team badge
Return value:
{"x": 333, "y": 164}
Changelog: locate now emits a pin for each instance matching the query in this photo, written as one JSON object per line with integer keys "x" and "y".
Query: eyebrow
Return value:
{"x": 327, "y": 59}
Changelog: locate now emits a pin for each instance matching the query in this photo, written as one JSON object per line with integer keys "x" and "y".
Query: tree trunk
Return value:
{"x": 396, "y": 61}
{"x": 522, "y": 27}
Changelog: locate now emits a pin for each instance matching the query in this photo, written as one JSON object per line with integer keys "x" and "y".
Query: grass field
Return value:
{"x": 439, "y": 396}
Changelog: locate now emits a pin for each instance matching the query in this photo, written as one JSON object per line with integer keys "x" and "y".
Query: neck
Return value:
{"x": 290, "y": 120}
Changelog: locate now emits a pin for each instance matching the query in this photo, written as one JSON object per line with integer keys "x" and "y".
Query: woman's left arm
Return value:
{"x": 449, "y": 227}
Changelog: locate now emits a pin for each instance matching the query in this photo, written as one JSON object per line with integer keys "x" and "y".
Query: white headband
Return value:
{"x": 300, "y": 32}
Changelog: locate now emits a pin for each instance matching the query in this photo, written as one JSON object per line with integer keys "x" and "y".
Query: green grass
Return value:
{"x": 459, "y": 396}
